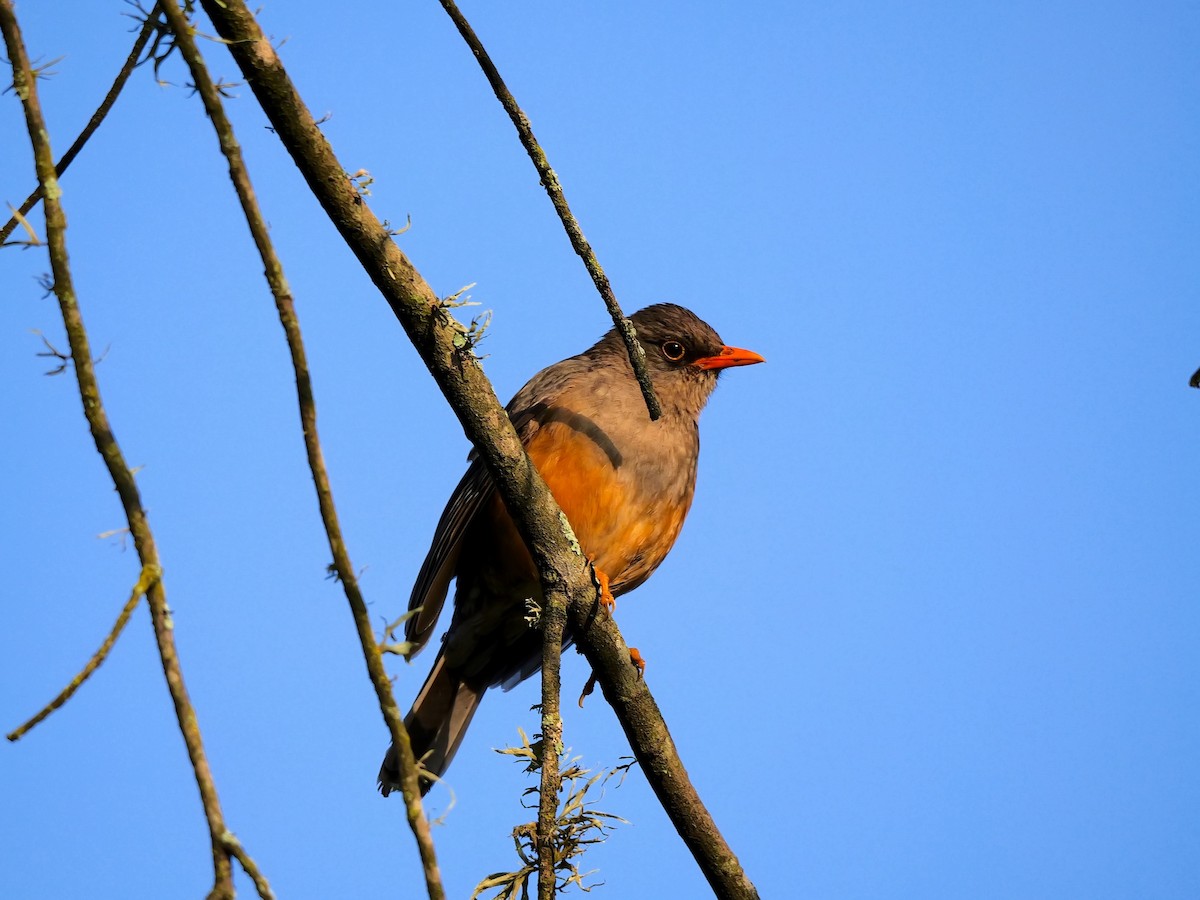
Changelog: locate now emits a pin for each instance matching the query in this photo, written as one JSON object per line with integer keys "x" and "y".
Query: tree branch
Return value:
{"x": 553, "y": 622}
{"x": 143, "y": 584}
{"x": 637, "y": 356}
{"x": 600, "y": 641}
{"x": 235, "y": 849}
{"x": 131, "y": 62}
{"x": 470, "y": 395}
{"x": 110, "y": 451}
{"x": 285, "y": 306}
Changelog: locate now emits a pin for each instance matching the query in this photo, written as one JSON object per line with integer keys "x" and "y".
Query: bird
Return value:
{"x": 625, "y": 483}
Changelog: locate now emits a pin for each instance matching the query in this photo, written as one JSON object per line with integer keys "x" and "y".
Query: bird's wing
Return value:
{"x": 472, "y": 493}
{"x": 433, "y": 581}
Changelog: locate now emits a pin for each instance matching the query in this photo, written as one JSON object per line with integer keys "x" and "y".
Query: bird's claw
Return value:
{"x": 635, "y": 658}
{"x": 587, "y": 689}
{"x": 638, "y": 662}
{"x": 607, "y": 600}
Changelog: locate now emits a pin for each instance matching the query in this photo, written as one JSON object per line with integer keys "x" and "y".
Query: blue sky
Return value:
{"x": 931, "y": 629}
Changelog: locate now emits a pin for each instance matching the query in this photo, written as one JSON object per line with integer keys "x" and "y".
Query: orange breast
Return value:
{"x": 625, "y": 532}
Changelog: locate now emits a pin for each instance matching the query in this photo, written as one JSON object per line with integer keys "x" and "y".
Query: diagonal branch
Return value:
{"x": 110, "y": 451}
{"x": 149, "y": 575}
{"x": 600, "y": 641}
{"x": 433, "y": 333}
{"x": 637, "y": 356}
{"x": 286, "y": 308}
{"x": 150, "y": 25}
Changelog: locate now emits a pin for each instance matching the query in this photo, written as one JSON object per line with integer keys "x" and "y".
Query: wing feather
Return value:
{"x": 473, "y": 492}
{"x": 433, "y": 581}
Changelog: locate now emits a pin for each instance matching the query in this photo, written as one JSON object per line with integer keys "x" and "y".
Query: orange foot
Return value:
{"x": 638, "y": 662}
{"x": 607, "y": 600}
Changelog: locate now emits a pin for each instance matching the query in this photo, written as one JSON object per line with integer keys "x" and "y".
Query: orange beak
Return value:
{"x": 729, "y": 356}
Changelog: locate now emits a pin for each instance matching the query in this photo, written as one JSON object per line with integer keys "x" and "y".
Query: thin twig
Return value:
{"x": 286, "y": 308}
{"x": 554, "y": 610}
{"x": 235, "y": 849}
{"x": 553, "y": 620}
{"x": 143, "y": 584}
{"x": 131, "y": 62}
{"x": 110, "y": 451}
{"x": 637, "y": 356}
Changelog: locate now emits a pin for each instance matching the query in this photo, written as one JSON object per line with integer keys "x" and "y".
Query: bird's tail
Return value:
{"x": 436, "y": 725}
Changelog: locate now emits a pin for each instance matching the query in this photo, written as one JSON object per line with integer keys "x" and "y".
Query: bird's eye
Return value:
{"x": 673, "y": 350}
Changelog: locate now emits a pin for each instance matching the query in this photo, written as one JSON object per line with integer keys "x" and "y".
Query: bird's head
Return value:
{"x": 684, "y": 355}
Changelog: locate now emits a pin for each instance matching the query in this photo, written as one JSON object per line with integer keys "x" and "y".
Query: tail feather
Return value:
{"x": 436, "y": 725}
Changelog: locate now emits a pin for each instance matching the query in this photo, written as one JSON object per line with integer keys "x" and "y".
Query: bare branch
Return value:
{"x": 553, "y": 621}
{"x": 149, "y": 27}
{"x": 284, "y": 304}
{"x": 600, "y": 641}
{"x": 637, "y": 356}
{"x": 235, "y": 849}
{"x": 110, "y": 451}
{"x": 148, "y": 576}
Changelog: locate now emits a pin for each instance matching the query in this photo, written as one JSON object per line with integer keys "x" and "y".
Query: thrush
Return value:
{"x": 625, "y": 483}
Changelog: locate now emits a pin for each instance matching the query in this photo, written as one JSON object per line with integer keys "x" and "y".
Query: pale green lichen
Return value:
{"x": 569, "y": 533}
